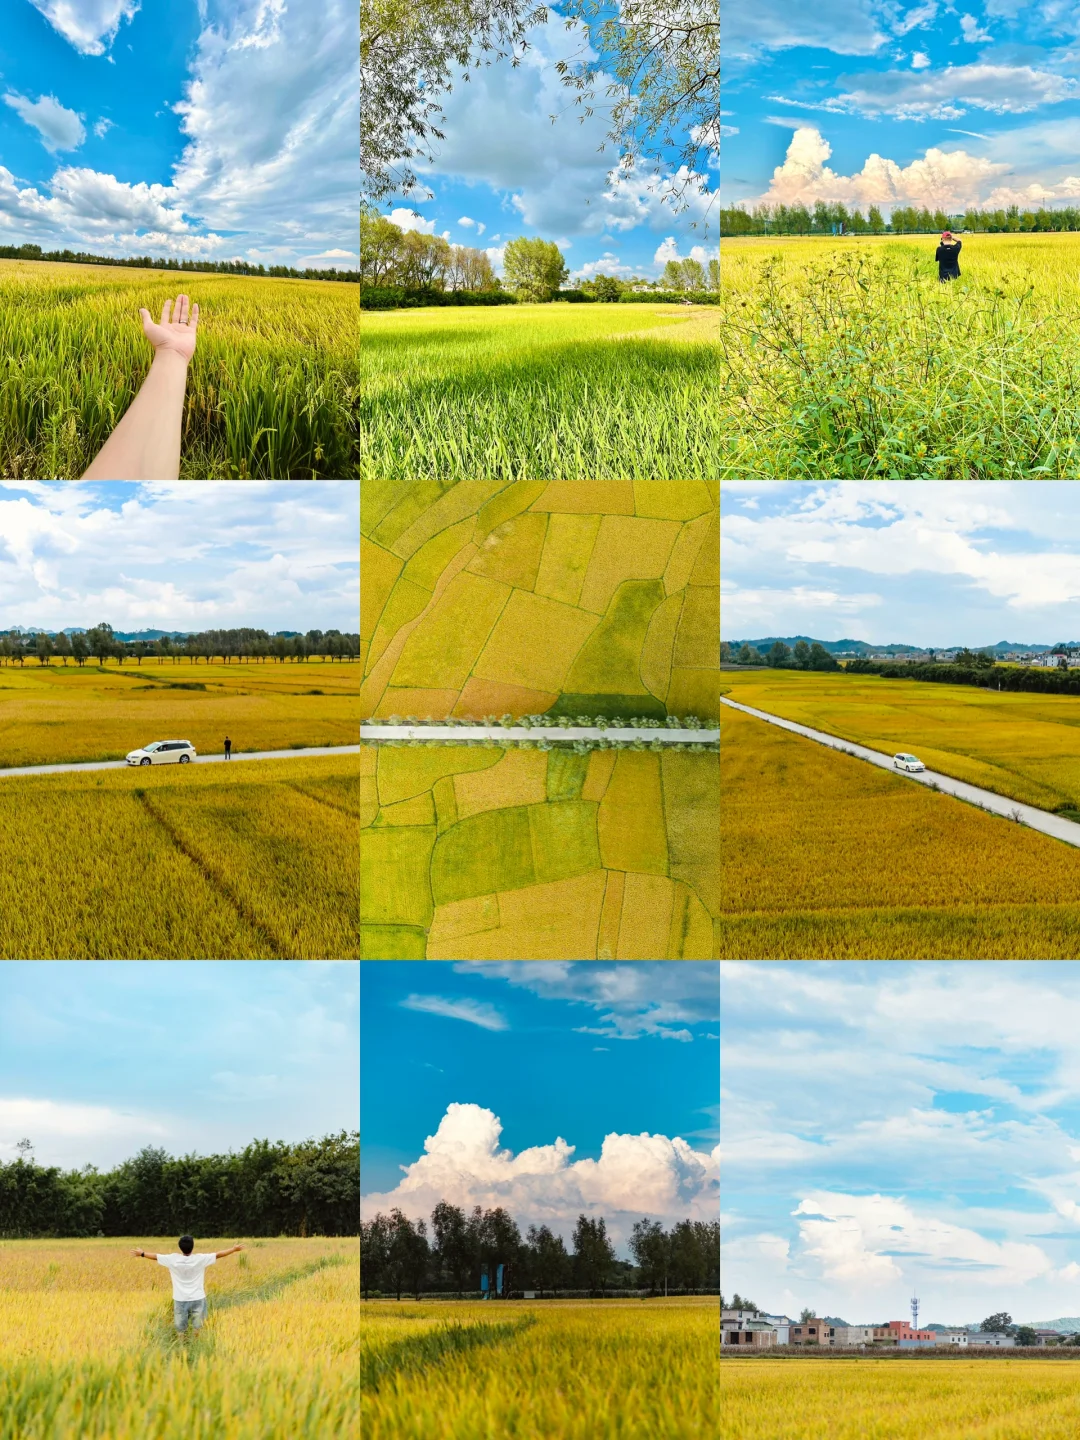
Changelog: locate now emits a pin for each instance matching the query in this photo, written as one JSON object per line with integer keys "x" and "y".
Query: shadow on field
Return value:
{"x": 418, "y": 1352}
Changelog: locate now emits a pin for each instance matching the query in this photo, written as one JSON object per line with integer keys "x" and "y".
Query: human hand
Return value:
{"x": 174, "y": 332}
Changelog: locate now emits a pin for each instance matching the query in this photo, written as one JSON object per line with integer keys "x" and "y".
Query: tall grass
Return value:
{"x": 539, "y": 392}
{"x": 847, "y": 359}
{"x": 273, "y": 389}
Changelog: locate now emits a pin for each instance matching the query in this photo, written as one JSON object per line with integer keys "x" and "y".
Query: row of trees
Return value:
{"x": 309, "y": 1188}
{"x": 401, "y": 1256}
{"x": 148, "y": 262}
{"x": 244, "y": 644}
{"x": 1042, "y": 680}
{"x": 780, "y": 656}
{"x": 826, "y": 218}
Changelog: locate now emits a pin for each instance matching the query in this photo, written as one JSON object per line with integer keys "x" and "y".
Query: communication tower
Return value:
{"x": 914, "y": 1313}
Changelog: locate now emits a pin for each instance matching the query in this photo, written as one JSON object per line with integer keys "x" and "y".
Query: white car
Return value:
{"x": 907, "y": 762}
{"x": 163, "y": 752}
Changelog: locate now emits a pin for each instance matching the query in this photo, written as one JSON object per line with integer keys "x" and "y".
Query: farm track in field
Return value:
{"x": 199, "y": 760}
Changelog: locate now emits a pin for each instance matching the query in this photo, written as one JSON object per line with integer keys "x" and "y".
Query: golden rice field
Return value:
{"x": 586, "y": 1370}
{"x": 529, "y": 597}
{"x": 823, "y": 856}
{"x": 253, "y": 860}
{"x": 56, "y": 713}
{"x": 87, "y": 1346}
{"x": 273, "y": 390}
{"x": 472, "y": 854}
{"x": 909, "y": 1400}
{"x": 845, "y": 358}
{"x": 1020, "y": 745}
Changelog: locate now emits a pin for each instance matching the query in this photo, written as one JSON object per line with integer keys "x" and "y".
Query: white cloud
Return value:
{"x": 729, "y": 130}
{"x": 920, "y": 17}
{"x": 53, "y": 1121}
{"x": 496, "y": 254}
{"x": 102, "y": 127}
{"x": 406, "y": 219}
{"x": 920, "y": 60}
{"x": 475, "y": 1012}
{"x": 59, "y": 128}
{"x": 941, "y": 178}
{"x": 972, "y": 31}
{"x": 90, "y": 25}
{"x": 635, "y": 1175}
{"x": 608, "y": 264}
{"x": 942, "y": 94}
{"x": 845, "y": 27}
{"x": 668, "y": 249}
{"x": 468, "y": 224}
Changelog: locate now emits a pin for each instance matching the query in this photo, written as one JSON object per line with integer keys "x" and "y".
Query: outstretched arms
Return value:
{"x": 146, "y": 443}
{"x": 145, "y": 1254}
{"x": 231, "y": 1251}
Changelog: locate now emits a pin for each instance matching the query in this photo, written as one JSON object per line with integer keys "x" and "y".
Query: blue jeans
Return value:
{"x": 185, "y": 1310}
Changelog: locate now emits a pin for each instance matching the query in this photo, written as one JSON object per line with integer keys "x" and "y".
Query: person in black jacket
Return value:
{"x": 947, "y": 256}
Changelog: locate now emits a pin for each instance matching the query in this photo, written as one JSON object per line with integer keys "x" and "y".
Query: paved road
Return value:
{"x": 1055, "y": 825}
{"x": 524, "y": 732}
{"x": 199, "y": 760}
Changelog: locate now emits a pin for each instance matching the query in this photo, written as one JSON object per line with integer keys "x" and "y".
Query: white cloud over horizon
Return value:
{"x": 59, "y": 128}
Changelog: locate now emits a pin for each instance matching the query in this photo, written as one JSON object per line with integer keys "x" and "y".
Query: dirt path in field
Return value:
{"x": 1030, "y": 815}
{"x": 199, "y": 760}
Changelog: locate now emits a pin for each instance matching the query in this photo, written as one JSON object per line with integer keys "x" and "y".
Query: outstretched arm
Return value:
{"x": 146, "y": 443}
{"x": 145, "y": 1254}
{"x": 231, "y": 1251}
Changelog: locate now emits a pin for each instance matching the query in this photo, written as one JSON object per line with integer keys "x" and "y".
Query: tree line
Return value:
{"x": 399, "y": 1255}
{"x": 1042, "y": 680}
{"x": 147, "y": 262}
{"x": 242, "y": 645}
{"x": 833, "y": 217}
{"x": 309, "y": 1188}
{"x": 780, "y": 656}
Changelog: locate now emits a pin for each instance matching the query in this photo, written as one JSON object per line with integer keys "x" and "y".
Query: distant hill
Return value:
{"x": 863, "y": 647}
{"x": 124, "y": 635}
{"x": 1068, "y": 1324}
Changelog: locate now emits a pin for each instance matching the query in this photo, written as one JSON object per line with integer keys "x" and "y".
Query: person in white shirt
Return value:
{"x": 188, "y": 1273}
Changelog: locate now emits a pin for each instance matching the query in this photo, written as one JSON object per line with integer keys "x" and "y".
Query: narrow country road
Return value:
{"x": 525, "y": 732}
{"x": 1036, "y": 819}
{"x": 199, "y": 760}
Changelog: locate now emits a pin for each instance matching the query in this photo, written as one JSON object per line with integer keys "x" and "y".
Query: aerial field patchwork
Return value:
{"x": 87, "y": 1345}
{"x": 521, "y": 390}
{"x": 823, "y": 856}
{"x": 532, "y": 598}
{"x": 638, "y": 1369}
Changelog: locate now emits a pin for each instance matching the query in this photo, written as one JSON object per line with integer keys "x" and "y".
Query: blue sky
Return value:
{"x": 482, "y": 1061}
{"x": 505, "y": 170}
{"x": 180, "y": 555}
{"x": 930, "y": 563}
{"x": 99, "y": 1058}
{"x": 943, "y": 103}
{"x": 212, "y": 129}
{"x": 894, "y": 1126}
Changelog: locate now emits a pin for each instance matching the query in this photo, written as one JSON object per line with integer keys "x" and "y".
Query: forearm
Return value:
{"x": 146, "y": 443}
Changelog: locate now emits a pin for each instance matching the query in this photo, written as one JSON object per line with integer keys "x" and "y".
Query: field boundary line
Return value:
{"x": 299, "y": 789}
{"x": 1044, "y": 821}
{"x": 247, "y": 914}
{"x": 417, "y": 1352}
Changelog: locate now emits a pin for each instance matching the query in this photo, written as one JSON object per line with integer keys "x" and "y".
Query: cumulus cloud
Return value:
{"x": 941, "y": 178}
{"x": 406, "y": 219}
{"x": 59, "y": 128}
{"x": 475, "y": 1012}
{"x": 608, "y": 264}
{"x": 920, "y": 60}
{"x": 469, "y": 224}
{"x": 668, "y": 249}
{"x": 89, "y": 25}
{"x": 635, "y": 1175}
{"x": 972, "y": 31}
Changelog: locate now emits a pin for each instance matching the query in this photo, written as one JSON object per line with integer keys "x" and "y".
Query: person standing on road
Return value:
{"x": 947, "y": 256}
{"x": 228, "y": 748}
{"x": 188, "y": 1273}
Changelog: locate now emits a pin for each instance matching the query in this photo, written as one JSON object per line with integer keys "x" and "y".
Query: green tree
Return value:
{"x": 380, "y": 248}
{"x": 1025, "y": 1335}
{"x": 452, "y": 1248}
{"x": 62, "y": 645}
{"x": 820, "y": 659}
{"x": 802, "y": 654}
{"x": 875, "y": 222}
{"x": 650, "y": 1246}
{"x": 714, "y": 274}
{"x": 534, "y": 268}
{"x": 779, "y": 654}
{"x": 548, "y": 1262}
{"x": 606, "y": 289}
{"x": 43, "y": 648}
{"x": 746, "y": 655}
{"x": 80, "y": 647}
{"x": 1000, "y": 1323}
{"x": 593, "y": 1253}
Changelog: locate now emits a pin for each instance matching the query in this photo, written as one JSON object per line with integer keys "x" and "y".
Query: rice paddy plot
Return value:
{"x": 584, "y": 1370}
{"x": 87, "y": 1345}
{"x": 216, "y": 862}
{"x": 272, "y": 391}
{"x": 515, "y": 392}
{"x": 846, "y": 358}
{"x": 825, "y": 857}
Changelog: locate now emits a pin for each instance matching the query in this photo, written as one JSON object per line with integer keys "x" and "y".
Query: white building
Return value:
{"x": 851, "y": 1335}
{"x": 782, "y": 1325}
{"x": 989, "y": 1337}
{"x": 952, "y": 1337}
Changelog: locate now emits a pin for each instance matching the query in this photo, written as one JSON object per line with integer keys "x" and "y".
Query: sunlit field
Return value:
{"x": 578, "y": 1370}
{"x": 993, "y": 1399}
{"x": 540, "y": 392}
{"x": 845, "y": 358}
{"x": 272, "y": 390}
{"x": 88, "y": 1349}
{"x": 51, "y": 714}
{"x": 823, "y": 856}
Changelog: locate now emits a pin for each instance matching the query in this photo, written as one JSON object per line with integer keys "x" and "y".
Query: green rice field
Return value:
{"x": 540, "y": 392}
{"x": 273, "y": 389}
{"x": 845, "y": 358}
